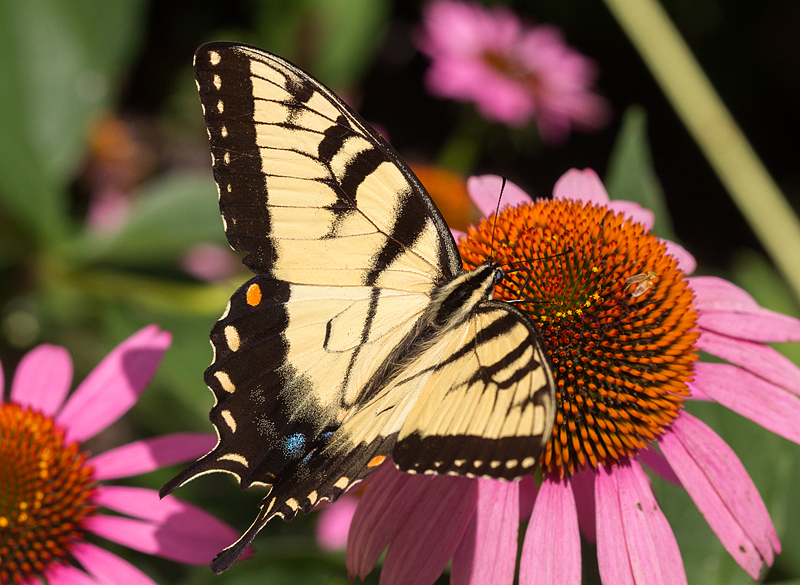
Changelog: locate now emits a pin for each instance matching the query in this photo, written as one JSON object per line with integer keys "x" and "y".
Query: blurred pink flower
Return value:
{"x": 210, "y": 262}
{"x": 50, "y": 491}
{"x": 333, "y": 523}
{"x": 513, "y": 73}
{"x": 427, "y": 521}
{"x": 108, "y": 211}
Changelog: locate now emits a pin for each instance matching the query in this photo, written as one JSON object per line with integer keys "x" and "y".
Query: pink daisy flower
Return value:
{"x": 51, "y": 491}
{"x": 333, "y": 523}
{"x": 513, "y": 73}
{"x": 622, "y": 323}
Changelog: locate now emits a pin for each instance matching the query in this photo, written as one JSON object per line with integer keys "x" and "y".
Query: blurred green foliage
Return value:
{"x": 66, "y": 66}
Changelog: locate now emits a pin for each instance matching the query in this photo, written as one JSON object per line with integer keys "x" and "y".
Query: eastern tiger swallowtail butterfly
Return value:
{"x": 360, "y": 337}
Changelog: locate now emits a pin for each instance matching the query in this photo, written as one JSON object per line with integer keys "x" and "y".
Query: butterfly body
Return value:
{"x": 360, "y": 337}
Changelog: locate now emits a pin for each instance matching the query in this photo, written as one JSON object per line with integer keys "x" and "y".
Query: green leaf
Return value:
{"x": 342, "y": 57}
{"x": 630, "y": 171}
{"x": 334, "y": 39}
{"x": 172, "y": 213}
{"x": 61, "y": 64}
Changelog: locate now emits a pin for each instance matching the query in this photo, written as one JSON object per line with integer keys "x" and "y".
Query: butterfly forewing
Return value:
{"x": 306, "y": 188}
{"x": 336, "y": 347}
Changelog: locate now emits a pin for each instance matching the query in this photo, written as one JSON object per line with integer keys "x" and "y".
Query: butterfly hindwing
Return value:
{"x": 495, "y": 414}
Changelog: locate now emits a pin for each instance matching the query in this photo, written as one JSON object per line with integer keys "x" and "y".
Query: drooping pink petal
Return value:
{"x": 150, "y": 454}
{"x": 379, "y": 515}
{"x": 634, "y": 212}
{"x": 432, "y": 530}
{"x": 612, "y": 552}
{"x": 487, "y": 553}
{"x": 647, "y": 552}
{"x": 484, "y": 190}
{"x": 752, "y": 397}
{"x": 42, "y": 379}
{"x": 457, "y": 234}
{"x": 580, "y": 185}
{"x": 762, "y": 327}
{"x": 583, "y": 490}
{"x": 551, "y": 553}
{"x": 717, "y": 294}
{"x": 698, "y": 394}
{"x": 58, "y": 574}
{"x": 184, "y": 537}
{"x": 719, "y": 485}
{"x": 657, "y": 463}
{"x": 144, "y": 504}
{"x": 728, "y": 310}
{"x": 686, "y": 261}
{"x": 114, "y": 385}
{"x": 760, "y": 359}
{"x": 527, "y": 496}
{"x": 108, "y": 568}
{"x": 333, "y": 523}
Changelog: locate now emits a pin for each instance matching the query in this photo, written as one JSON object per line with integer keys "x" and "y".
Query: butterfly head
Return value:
{"x": 459, "y": 297}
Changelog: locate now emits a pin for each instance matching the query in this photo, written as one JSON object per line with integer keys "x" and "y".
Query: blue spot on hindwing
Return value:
{"x": 293, "y": 445}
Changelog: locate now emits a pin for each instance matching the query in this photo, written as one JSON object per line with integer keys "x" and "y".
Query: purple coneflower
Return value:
{"x": 51, "y": 490}
{"x": 513, "y": 73}
{"x": 623, "y": 324}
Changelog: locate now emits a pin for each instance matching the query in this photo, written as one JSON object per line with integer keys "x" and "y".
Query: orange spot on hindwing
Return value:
{"x": 253, "y": 295}
{"x": 375, "y": 461}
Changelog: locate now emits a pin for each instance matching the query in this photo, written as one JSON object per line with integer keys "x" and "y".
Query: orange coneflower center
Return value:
{"x": 617, "y": 317}
{"x": 45, "y": 494}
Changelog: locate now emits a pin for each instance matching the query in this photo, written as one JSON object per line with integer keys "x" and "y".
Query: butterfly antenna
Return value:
{"x": 497, "y": 211}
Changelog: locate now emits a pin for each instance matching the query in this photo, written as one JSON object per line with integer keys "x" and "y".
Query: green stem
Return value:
{"x": 715, "y": 131}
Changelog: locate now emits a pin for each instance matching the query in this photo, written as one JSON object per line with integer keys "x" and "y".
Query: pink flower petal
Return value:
{"x": 527, "y": 496}
{"x": 57, "y": 574}
{"x": 144, "y": 504}
{"x": 728, "y": 310}
{"x": 108, "y": 568}
{"x": 42, "y": 379}
{"x": 583, "y": 490}
{"x": 333, "y": 523}
{"x": 487, "y": 554}
{"x": 658, "y": 464}
{"x": 185, "y": 537}
{"x": 753, "y": 398}
{"x": 635, "y": 543}
{"x": 612, "y": 554}
{"x": 457, "y": 234}
{"x": 722, "y": 490}
{"x": 485, "y": 191}
{"x": 634, "y": 212}
{"x": 150, "y": 454}
{"x": 114, "y": 385}
{"x": 433, "y": 527}
{"x": 762, "y": 327}
{"x": 582, "y": 185}
{"x": 717, "y": 294}
{"x": 686, "y": 261}
{"x": 551, "y": 553}
{"x": 755, "y": 357}
{"x": 379, "y": 515}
